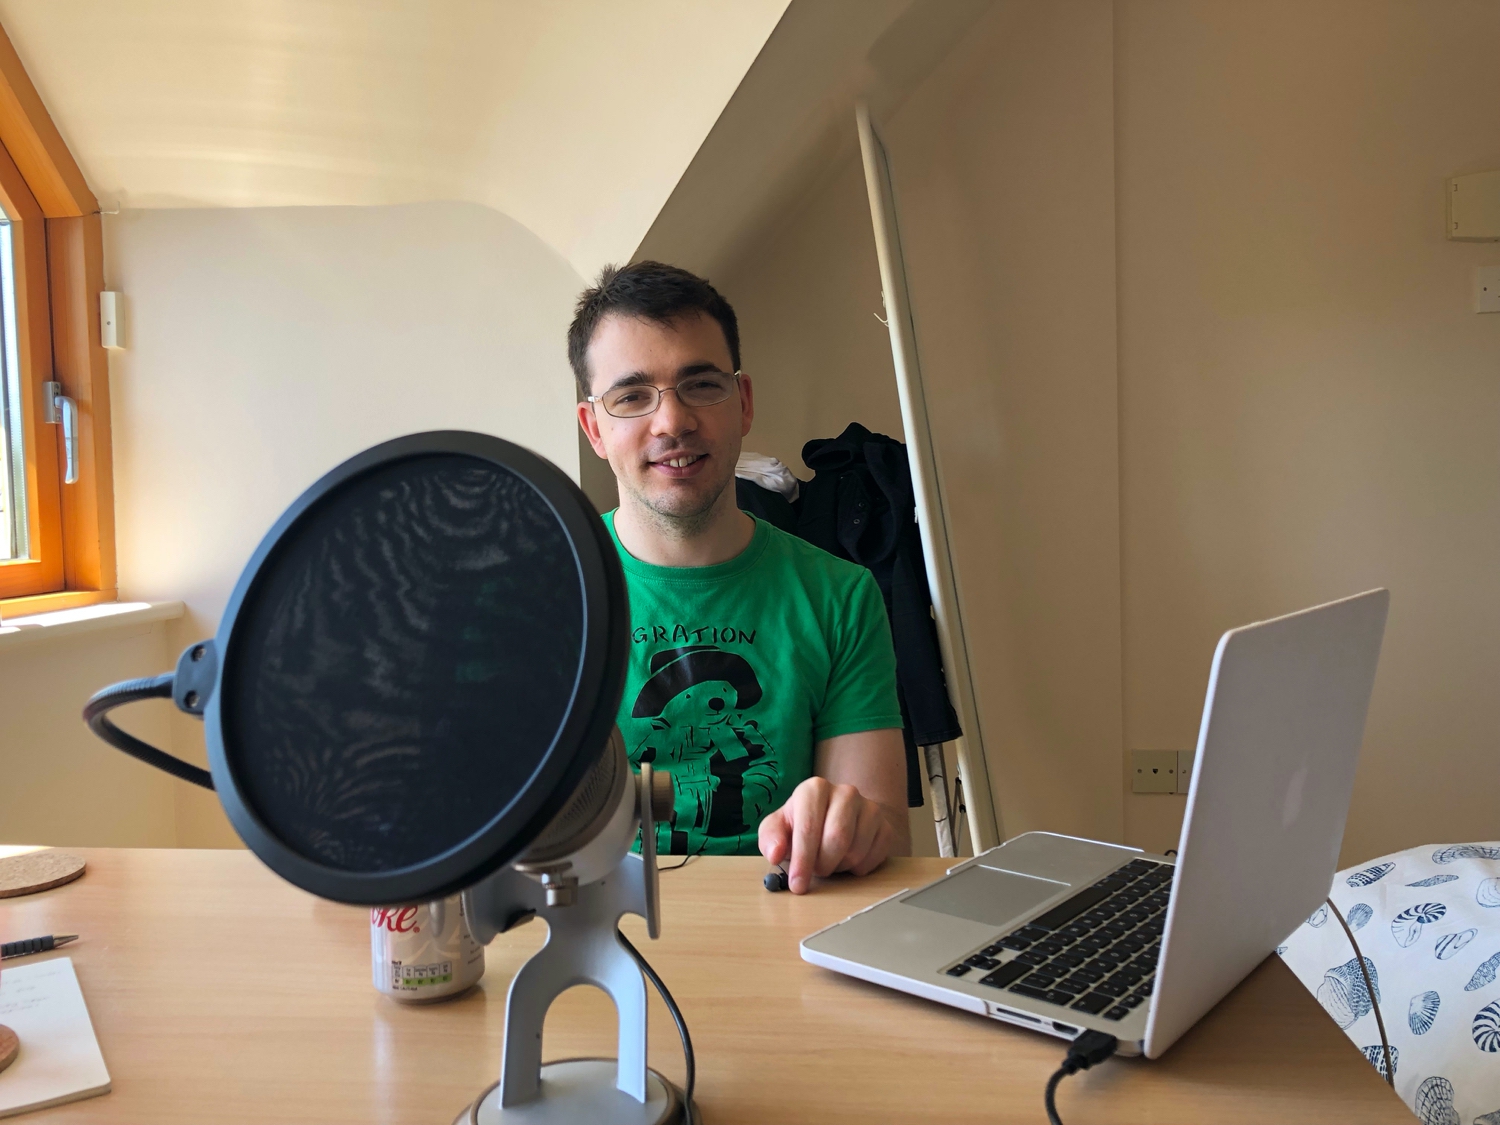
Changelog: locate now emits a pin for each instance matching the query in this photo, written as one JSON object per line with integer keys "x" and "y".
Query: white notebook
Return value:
{"x": 59, "y": 1059}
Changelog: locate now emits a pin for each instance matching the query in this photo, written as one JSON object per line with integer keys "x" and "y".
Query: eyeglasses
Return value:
{"x": 636, "y": 400}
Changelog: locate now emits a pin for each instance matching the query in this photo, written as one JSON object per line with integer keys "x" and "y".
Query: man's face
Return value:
{"x": 678, "y": 460}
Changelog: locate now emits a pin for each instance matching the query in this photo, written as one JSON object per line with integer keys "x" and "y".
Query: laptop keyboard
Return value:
{"x": 1095, "y": 953}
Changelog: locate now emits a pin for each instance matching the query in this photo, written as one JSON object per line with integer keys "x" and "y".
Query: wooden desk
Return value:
{"x": 221, "y": 994}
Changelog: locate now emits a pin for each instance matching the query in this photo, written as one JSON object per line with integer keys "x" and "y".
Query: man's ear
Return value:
{"x": 590, "y": 423}
{"x": 747, "y": 404}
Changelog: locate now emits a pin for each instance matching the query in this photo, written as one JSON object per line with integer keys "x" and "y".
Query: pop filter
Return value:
{"x": 412, "y": 692}
{"x": 419, "y": 665}
{"x": 417, "y": 668}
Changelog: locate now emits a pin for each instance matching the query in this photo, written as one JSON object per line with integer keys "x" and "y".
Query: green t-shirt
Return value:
{"x": 738, "y": 670}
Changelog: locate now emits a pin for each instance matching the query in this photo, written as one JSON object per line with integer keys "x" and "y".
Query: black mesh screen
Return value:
{"x": 404, "y": 662}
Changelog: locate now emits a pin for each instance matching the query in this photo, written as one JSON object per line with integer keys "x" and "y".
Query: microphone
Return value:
{"x": 412, "y": 692}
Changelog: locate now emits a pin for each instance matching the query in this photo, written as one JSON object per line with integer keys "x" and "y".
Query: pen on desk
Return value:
{"x": 28, "y": 946}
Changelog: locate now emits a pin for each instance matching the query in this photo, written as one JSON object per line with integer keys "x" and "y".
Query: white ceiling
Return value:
{"x": 575, "y": 117}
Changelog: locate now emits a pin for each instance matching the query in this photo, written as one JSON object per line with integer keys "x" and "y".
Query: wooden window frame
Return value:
{"x": 59, "y": 252}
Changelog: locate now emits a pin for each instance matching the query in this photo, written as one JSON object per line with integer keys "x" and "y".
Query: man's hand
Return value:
{"x": 826, "y": 828}
{"x": 848, "y": 818}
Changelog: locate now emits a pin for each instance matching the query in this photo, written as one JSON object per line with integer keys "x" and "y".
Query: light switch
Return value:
{"x": 1486, "y": 289}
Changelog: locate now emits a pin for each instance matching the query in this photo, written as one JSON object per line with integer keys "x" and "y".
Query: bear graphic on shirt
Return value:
{"x": 723, "y": 768}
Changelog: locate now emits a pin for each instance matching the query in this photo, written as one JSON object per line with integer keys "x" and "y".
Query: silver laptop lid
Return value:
{"x": 1277, "y": 749}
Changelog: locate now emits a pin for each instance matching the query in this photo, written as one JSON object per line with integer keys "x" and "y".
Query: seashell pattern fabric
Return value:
{"x": 1420, "y": 921}
{"x": 1450, "y": 945}
{"x": 1484, "y": 976}
{"x": 1370, "y": 875}
{"x": 1406, "y": 927}
{"x": 1343, "y": 993}
{"x": 1422, "y": 1012}
{"x": 1434, "y": 1103}
{"x": 1466, "y": 851}
{"x": 1376, "y": 1055}
{"x": 1486, "y": 1029}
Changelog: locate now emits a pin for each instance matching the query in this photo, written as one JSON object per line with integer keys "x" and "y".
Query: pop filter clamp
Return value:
{"x": 412, "y": 693}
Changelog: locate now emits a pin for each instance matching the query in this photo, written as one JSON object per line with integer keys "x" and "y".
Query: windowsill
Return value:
{"x": 18, "y": 631}
{"x": 34, "y": 604}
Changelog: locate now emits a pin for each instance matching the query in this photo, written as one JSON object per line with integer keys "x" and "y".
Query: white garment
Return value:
{"x": 1427, "y": 921}
{"x": 768, "y": 472}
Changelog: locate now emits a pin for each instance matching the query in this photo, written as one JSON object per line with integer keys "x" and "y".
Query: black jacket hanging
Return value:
{"x": 770, "y": 506}
{"x": 860, "y": 507}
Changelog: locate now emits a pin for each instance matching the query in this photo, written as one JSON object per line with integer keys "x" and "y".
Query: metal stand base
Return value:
{"x": 583, "y": 947}
{"x": 581, "y": 1092}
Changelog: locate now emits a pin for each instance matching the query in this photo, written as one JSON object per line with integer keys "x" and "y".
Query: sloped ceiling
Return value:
{"x": 790, "y": 123}
{"x": 575, "y": 117}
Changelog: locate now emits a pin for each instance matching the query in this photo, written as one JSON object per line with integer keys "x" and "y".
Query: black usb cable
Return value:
{"x": 690, "y": 1109}
{"x": 1090, "y": 1049}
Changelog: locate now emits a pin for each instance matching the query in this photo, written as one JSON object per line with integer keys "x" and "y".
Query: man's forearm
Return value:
{"x": 900, "y": 822}
{"x": 874, "y": 762}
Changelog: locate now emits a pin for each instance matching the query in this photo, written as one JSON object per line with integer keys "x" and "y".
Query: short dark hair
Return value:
{"x": 652, "y": 291}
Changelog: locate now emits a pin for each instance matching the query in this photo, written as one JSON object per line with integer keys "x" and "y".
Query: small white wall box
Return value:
{"x": 110, "y": 333}
{"x": 1474, "y": 207}
{"x": 1487, "y": 289}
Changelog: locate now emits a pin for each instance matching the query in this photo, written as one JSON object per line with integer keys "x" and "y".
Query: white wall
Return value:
{"x": 1003, "y": 166}
{"x": 807, "y": 302}
{"x": 1004, "y": 174}
{"x": 58, "y": 783}
{"x": 267, "y": 345}
{"x": 1197, "y": 354}
{"x": 1308, "y": 402}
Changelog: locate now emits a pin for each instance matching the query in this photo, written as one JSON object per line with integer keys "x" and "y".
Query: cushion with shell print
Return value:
{"x": 1427, "y": 922}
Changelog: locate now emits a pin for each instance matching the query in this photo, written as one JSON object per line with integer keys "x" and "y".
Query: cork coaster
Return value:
{"x": 37, "y": 871}
{"x": 10, "y": 1046}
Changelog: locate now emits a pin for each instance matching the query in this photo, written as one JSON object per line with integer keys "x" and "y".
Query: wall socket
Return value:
{"x": 1161, "y": 771}
{"x": 1185, "y": 760}
{"x": 1153, "y": 771}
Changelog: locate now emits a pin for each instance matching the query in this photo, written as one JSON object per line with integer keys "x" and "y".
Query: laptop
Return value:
{"x": 1060, "y": 934}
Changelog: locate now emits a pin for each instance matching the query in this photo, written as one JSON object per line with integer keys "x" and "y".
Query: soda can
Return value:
{"x": 424, "y": 952}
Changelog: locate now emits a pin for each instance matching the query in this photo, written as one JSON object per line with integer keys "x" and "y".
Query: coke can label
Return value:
{"x": 423, "y": 952}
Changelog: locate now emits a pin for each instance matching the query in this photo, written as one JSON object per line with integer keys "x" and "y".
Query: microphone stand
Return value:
{"x": 583, "y": 947}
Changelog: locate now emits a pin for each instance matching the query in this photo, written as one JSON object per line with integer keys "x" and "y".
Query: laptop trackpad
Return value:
{"x": 982, "y": 894}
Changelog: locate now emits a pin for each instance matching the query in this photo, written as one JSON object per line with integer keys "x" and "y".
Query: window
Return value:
{"x": 31, "y": 561}
{"x": 56, "y": 538}
{"x": 13, "y": 530}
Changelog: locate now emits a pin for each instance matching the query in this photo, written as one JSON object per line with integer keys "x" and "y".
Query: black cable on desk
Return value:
{"x": 682, "y": 1029}
{"x": 1089, "y": 1049}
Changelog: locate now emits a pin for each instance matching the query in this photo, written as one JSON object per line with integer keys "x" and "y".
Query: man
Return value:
{"x": 762, "y": 675}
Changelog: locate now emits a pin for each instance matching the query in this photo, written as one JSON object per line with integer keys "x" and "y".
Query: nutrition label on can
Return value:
{"x": 423, "y": 951}
{"x": 420, "y": 976}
